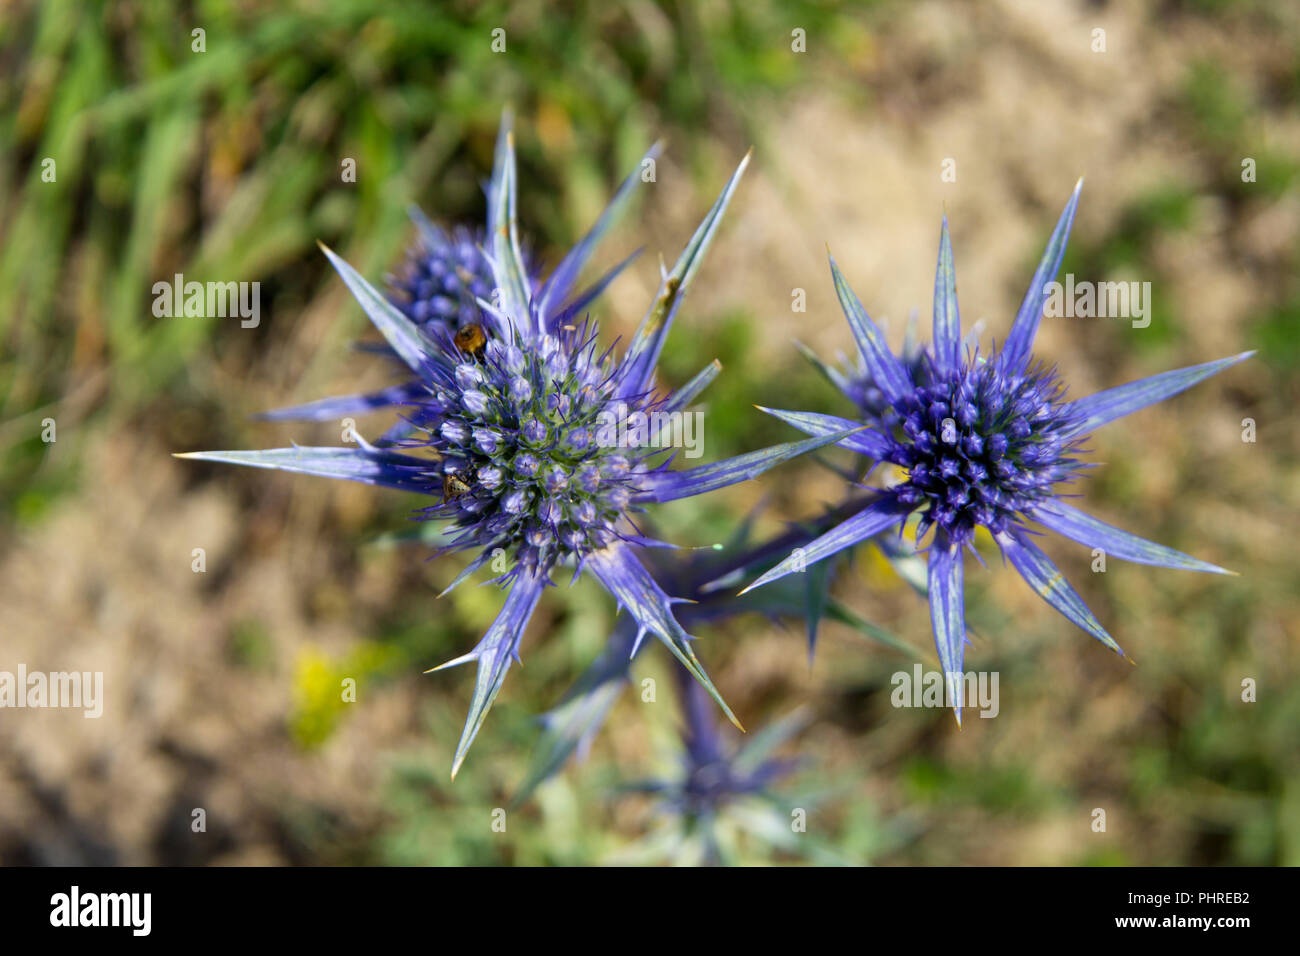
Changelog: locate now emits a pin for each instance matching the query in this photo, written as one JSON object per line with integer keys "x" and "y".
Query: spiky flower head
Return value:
{"x": 852, "y": 376}
{"x": 445, "y": 282}
{"x": 444, "y": 276}
{"x": 538, "y": 449}
{"x": 983, "y": 441}
{"x": 705, "y": 577}
{"x": 720, "y": 796}
{"x": 717, "y": 780}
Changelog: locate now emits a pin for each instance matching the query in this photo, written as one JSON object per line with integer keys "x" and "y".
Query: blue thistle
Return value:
{"x": 445, "y": 281}
{"x": 712, "y": 775}
{"x": 855, "y": 380}
{"x": 984, "y": 441}
{"x": 444, "y": 276}
{"x": 703, "y": 577}
{"x": 532, "y": 441}
{"x": 716, "y": 778}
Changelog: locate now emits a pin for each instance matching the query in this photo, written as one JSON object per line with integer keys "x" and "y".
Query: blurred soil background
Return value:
{"x": 222, "y": 687}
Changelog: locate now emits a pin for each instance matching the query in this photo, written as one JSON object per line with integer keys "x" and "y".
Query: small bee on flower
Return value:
{"x": 455, "y": 484}
{"x": 471, "y": 339}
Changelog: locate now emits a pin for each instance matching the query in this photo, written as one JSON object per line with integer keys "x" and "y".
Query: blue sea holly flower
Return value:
{"x": 983, "y": 441}
{"x": 725, "y": 802}
{"x": 703, "y": 576}
{"x": 447, "y": 275}
{"x": 509, "y": 435}
{"x": 855, "y": 379}
{"x": 443, "y": 277}
{"x": 715, "y": 777}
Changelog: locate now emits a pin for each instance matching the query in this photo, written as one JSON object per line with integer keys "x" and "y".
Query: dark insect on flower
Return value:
{"x": 471, "y": 339}
{"x": 455, "y": 484}
{"x": 534, "y": 430}
{"x": 984, "y": 441}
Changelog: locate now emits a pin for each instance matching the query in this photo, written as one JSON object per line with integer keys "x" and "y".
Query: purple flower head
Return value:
{"x": 712, "y": 775}
{"x": 721, "y": 780}
{"x": 855, "y": 380}
{"x": 705, "y": 577}
{"x": 444, "y": 277}
{"x": 983, "y": 441}
{"x": 443, "y": 289}
{"x": 501, "y": 499}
